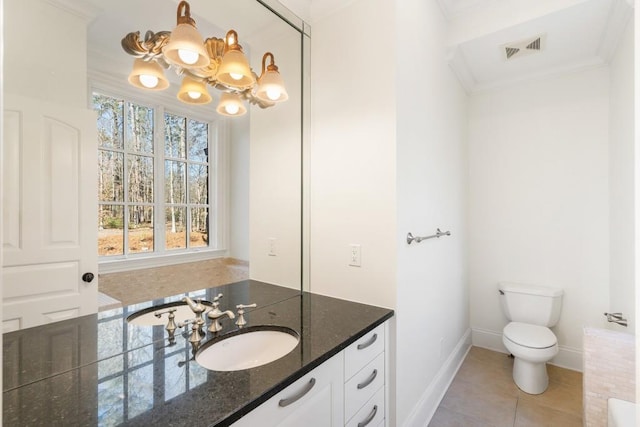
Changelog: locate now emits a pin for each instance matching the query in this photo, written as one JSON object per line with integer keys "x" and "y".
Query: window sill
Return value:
{"x": 117, "y": 265}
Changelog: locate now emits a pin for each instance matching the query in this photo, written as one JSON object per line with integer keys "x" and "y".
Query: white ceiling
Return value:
{"x": 576, "y": 34}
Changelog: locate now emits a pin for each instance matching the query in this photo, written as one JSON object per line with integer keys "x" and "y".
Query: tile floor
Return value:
{"x": 483, "y": 394}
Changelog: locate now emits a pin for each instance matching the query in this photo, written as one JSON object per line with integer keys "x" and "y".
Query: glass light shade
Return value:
{"x": 186, "y": 48}
{"x": 234, "y": 70}
{"x": 231, "y": 105}
{"x": 193, "y": 92}
{"x": 148, "y": 75}
{"x": 271, "y": 87}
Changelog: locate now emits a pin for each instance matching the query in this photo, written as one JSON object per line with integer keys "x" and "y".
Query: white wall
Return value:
{"x": 353, "y": 150}
{"x": 238, "y": 148}
{"x": 61, "y": 65}
{"x": 275, "y": 172}
{"x": 539, "y": 201}
{"x": 388, "y": 157}
{"x": 621, "y": 185}
{"x": 432, "y": 289}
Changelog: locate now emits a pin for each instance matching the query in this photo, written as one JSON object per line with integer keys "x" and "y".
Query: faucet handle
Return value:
{"x": 216, "y": 300}
{"x": 241, "y": 321}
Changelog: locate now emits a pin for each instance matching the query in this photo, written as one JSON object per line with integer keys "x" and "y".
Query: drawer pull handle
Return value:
{"x": 288, "y": 401}
{"x": 369, "y": 380}
{"x": 370, "y": 418}
{"x": 368, "y": 343}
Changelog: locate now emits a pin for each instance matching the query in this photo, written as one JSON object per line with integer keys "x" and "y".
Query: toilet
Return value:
{"x": 531, "y": 310}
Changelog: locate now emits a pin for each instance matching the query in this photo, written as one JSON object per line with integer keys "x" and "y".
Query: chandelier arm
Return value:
{"x": 264, "y": 61}
{"x": 184, "y": 14}
{"x": 248, "y": 96}
{"x": 150, "y": 48}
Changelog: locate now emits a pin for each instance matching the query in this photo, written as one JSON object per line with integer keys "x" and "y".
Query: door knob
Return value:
{"x": 87, "y": 277}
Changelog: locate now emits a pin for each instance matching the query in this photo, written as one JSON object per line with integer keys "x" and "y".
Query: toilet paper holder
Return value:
{"x": 616, "y": 318}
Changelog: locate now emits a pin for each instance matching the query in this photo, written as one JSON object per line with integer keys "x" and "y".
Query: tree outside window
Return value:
{"x": 128, "y": 150}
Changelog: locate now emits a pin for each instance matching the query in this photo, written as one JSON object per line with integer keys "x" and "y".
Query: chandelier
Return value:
{"x": 215, "y": 62}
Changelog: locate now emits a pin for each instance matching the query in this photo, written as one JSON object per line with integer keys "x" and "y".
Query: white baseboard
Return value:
{"x": 568, "y": 357}
{"x": 425, "y": 408}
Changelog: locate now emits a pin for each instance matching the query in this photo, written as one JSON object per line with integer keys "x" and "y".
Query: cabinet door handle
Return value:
{"x": 368, "y": 343}
{"x": 370, "y": 417}
{"x": 289, "y": 400}
{"x": 369, "y": 380}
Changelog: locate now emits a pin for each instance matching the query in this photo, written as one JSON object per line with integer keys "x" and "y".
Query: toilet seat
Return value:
{"x": 530, "y": 336}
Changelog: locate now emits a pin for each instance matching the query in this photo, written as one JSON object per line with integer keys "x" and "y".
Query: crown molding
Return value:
{"x": 81, "y": 8}
{"x": 619, "y": 16}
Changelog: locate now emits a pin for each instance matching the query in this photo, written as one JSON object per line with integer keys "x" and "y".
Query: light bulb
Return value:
{"x": 188, "y": 56}
{"x": 236, "y": 76}
{"x": 273, "y": 94}
{"x": 194, "y": 95}
{"x": 232, "y": 108}
{"x": 148, "y": 81}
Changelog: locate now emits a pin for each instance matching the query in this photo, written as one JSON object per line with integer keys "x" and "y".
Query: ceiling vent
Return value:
{"x": 523, "y": 47}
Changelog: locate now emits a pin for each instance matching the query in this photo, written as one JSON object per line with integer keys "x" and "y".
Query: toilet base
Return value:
{"x": 530, "y": 377}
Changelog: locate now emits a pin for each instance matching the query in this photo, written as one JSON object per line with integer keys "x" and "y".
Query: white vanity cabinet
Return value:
{"x": 315, "y": 400}
{"x": 347, "y": 390}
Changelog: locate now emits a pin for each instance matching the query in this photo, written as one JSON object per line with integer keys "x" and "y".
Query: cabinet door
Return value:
{"x": 49, "y": 212}
{"x": 315, "y": 400}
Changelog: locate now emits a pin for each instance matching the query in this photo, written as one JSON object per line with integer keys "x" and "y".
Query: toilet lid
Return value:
{"x": 532, "y": 336}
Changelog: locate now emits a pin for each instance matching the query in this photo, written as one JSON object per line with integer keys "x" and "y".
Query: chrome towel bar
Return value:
{"x": 418, "y": 239}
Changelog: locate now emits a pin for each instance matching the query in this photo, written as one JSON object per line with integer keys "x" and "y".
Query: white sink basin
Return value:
{"x": 147, "y": 316}
{"x": 248, "y": 348}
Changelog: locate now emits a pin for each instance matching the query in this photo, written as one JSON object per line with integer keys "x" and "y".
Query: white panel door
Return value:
{"x": 49, "y": 212}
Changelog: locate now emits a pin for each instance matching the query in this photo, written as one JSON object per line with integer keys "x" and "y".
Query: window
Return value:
{"x": 153, "y": 180}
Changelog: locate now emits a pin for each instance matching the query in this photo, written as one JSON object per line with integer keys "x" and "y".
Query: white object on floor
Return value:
{"x": 621, "y": 413}
{"x": 531, "y": 310}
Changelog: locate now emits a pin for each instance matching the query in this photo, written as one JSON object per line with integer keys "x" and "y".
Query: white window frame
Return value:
{"x": 218, "y": 179}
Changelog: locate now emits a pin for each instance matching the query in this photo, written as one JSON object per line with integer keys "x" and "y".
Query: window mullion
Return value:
{"x": 187, "y": 190}
{"x": 125, "y": 180}
{"x": 158, "y": 181}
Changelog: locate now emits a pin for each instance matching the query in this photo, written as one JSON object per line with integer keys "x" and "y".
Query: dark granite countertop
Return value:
{"x": 99, "y": 370}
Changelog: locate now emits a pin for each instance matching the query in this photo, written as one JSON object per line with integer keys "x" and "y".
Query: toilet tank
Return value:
{"x": 538, "y": 305}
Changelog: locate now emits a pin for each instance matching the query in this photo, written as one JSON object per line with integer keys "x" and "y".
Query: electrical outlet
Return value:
{"x": 355, "y": 256}
{"x": 271, "y": 251}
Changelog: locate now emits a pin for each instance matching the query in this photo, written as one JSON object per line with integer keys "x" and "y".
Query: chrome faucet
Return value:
{"x": 215, "y": 319}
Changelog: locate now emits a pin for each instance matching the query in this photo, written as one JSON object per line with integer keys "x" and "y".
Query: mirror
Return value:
{"x": 257, "y": 193}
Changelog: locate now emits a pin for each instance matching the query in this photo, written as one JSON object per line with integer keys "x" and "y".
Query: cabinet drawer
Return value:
{"x": 315, "y": 400}
{"x": 371, "y": 414}
{"x": 362, "y": 386}
{"x": 363, "y": 351}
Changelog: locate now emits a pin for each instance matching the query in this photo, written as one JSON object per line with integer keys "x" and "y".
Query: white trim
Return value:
{"x": 118, "y": 265}
{"x": 83, "y": 9}
{"x": 619, "y": 16}
{"x": 428, "y": 404}
{"x": 568, "y": 357}
{"x": 490, "y": 340}
{"x": 218, "y": 170}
